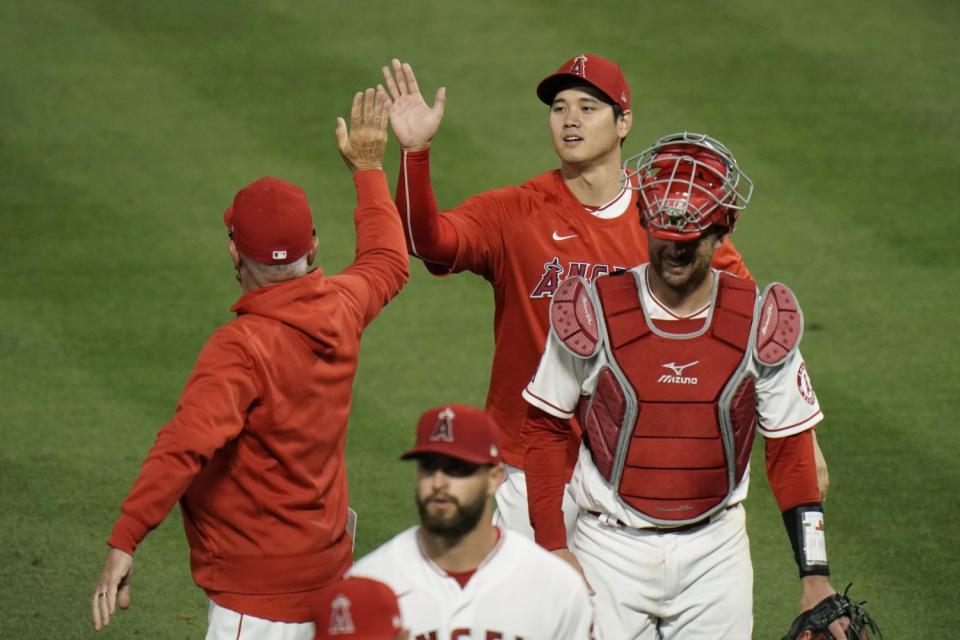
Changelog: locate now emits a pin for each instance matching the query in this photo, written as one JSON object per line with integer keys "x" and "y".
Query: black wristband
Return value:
{"x": 804, "y": 526}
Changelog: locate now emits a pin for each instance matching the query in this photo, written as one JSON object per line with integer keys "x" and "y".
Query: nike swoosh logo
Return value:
{"x": 558, "y": 237}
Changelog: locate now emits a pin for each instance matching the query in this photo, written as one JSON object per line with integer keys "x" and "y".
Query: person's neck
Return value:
{"x": 596, "y": 183}
{"x": 682, "y": 301}
{"x": 461, "y": 554}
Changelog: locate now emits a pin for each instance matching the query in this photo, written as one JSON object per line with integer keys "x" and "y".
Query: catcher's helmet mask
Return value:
{"x": 687, "y": 182}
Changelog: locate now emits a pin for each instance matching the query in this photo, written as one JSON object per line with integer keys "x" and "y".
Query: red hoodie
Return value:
{"x": 255, "y": 450}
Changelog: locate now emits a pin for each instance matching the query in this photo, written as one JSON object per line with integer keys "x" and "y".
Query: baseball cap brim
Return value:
{"x": 550, "y": 86}
{"x": 443, "y": 449}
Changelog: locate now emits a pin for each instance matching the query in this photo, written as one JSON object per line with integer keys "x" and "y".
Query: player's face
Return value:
{"x": 683, "y": 266}
{"x": 452, "y": 495}
{"x": 583, "y": 128}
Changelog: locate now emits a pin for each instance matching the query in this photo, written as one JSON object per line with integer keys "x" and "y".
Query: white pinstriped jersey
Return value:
{"x": 786, "y": 404}
{"x": 520, "y": 591}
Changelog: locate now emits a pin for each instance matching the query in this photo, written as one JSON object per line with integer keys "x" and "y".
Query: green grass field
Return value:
{"x": 127, "y": 127}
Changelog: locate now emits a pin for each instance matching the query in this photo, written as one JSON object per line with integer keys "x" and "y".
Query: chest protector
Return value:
{"x": 672, "y": 420}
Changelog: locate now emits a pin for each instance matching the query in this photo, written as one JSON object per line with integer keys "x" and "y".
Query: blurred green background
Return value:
{"x": 127, "y": 127}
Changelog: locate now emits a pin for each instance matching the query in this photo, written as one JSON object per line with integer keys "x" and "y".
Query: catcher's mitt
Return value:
{"x": 818, "y": 619}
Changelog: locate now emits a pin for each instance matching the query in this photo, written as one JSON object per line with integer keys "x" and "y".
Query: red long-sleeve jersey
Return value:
{"x": 255, "y": 450}
{"x": 524, "y": 240}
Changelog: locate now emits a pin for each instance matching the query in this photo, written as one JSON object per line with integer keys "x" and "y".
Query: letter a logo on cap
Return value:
{"x": 340, "y": 621}
{"x": 579, "y": 66}
{"x": 443, "y": 430}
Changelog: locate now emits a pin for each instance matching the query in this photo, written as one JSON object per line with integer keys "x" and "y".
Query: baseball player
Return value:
{"x": 255, "y": 450}
{"x": 672, "y": 367}
{"x": 578, "y": 220}
{"x": 358, "y": 609}
{"x": 459, "y": 576}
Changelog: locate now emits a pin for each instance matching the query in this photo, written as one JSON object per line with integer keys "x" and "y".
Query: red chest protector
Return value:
{"x": 673, "y": 418}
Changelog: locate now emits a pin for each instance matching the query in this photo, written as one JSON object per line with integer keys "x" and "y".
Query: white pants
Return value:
{"x": 226, "y": 624}
{"x": 693, "y": 585}
{"x": 512, "y": 511}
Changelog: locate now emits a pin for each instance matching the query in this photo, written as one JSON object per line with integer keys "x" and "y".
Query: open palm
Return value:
{"x": 413, "y": 121}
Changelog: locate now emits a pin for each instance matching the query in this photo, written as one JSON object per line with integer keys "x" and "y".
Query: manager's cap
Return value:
{"x": 270, "y": 221}
{"x": 595, "y": 71}
{"x": 457, "y": 431}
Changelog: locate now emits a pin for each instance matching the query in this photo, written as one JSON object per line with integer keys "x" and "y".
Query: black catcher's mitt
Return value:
{"x": 818, "y": 619}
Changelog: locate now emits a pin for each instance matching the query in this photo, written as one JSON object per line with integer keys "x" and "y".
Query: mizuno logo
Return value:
{"x": 587, "y": 310}
{"x": 678, "y": 377}
{"x": 678, "y": 368}
{"x": 559, "y": 237}
{"x": 767, "y": 315}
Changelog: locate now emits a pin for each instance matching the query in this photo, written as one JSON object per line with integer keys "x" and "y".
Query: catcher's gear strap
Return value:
{"x": 804, "y": 525}
{"x": 573, "y": 318}
{"x": 780, "y": 327}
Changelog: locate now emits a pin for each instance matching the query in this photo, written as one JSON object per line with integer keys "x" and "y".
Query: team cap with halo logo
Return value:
{"x": 457, "y": 431}
{"x": 357, "y": 608}
{"x": 595, "y": 71}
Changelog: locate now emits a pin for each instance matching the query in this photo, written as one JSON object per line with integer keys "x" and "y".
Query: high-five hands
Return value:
{"x": 363, "y": 145}
{"x": 414, "y": 123}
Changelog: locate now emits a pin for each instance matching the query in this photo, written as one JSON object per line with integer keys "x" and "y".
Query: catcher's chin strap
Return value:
{"x": 818, "y": 619}
{"x": 804, "y": 524}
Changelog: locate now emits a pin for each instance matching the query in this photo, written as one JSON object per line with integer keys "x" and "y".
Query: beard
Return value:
{"x": 463, "y": 520}
{"x": 683, "y": 271}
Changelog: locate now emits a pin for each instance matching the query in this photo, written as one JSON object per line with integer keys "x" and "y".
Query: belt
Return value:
{"x": 683, "y": 528}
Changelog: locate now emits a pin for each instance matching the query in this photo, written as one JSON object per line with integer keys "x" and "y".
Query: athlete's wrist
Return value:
{"x": 804, "y": 525}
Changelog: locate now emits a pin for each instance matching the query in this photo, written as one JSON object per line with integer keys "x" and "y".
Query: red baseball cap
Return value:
{"x": 457, "y": 431}
{"x": 597, "y": 72}
{"x": 357, "y": 608}
{"x": 270, "y": 221}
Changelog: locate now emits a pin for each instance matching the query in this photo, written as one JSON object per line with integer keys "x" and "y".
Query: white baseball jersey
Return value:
{"x": 786, "y": 403}
{"x": 519, "y": 592}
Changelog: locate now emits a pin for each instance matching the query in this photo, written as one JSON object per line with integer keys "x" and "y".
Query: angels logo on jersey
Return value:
{"x": 804, "y": 385}
{"x": 554, "y": 274}
{"x": 443, "y": 430}
{"x": 340, "y": 621}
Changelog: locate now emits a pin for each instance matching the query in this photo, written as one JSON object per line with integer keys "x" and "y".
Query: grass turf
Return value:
{"x": 128, "y": 126}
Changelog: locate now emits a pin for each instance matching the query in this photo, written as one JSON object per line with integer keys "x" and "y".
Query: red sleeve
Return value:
{"x": 211, "y": 412}
{"x": 468, "y": 237}
{"x": 380, "y": 267}
{"x": 545, "y": 466}
{"x": 429, "y": 236}
{"x": 792, "y": 470}
{"x": 728, "y": 259}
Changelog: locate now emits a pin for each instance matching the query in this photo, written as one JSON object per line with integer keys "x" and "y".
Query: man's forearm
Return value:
{"x": 545, "y": 467}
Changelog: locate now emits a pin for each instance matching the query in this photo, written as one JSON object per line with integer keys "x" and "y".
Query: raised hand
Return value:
{"x": 414, "y": 123}
{"x": 363, "y": 145}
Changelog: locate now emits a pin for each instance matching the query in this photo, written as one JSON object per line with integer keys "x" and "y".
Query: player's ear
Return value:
{"x": 624, "y": 122}
{"x": 234, "y": 254}
{"x": 496, "y": 478}
{"x": 312, "y": 255}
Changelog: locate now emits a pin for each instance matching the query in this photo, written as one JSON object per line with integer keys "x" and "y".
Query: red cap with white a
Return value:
{"x": 457, "y": 431}
{"x": 587, "y": 69}
{"x": 270, "y": 221}
{"x": 357, "y": 608}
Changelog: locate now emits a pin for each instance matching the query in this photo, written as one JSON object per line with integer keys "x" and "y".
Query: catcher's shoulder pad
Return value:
{"x": 780, "y": 325}
{"x": 573, "y": 318}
